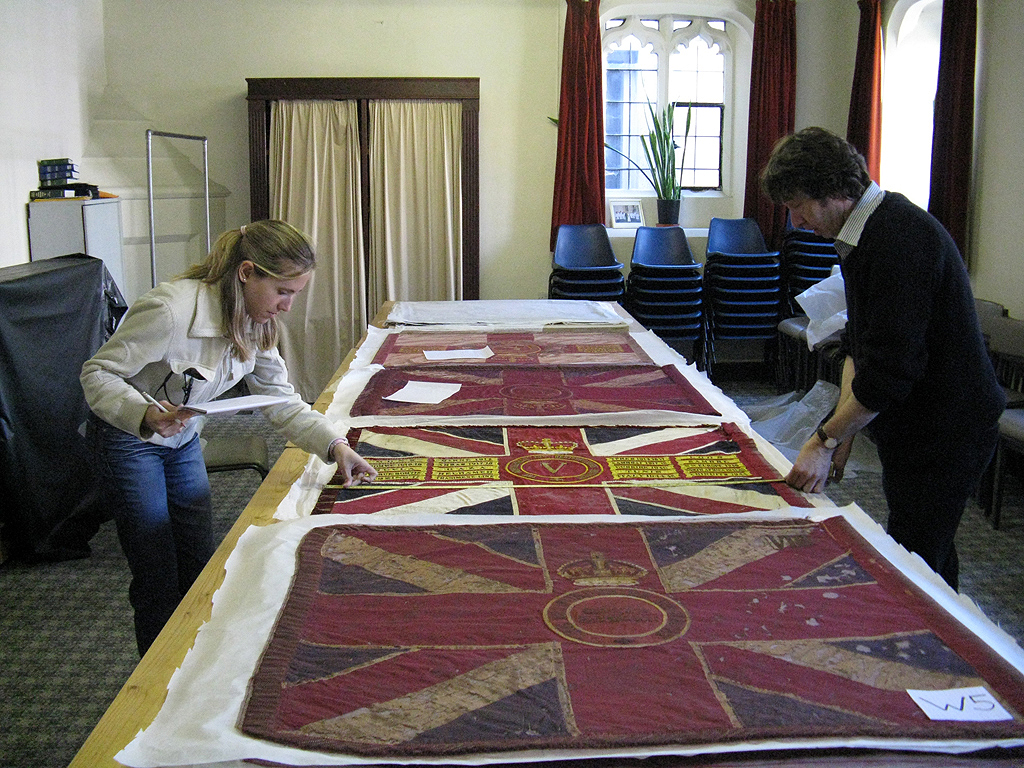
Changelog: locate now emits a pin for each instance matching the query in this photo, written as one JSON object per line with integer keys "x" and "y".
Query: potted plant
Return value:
{"x": 660, "y": 150}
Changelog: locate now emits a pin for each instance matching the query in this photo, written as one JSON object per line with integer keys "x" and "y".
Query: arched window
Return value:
{"x": 908, "y": 97}
{"x": 655, "y": 62}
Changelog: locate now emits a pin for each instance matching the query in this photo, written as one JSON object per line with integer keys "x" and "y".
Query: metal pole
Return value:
{"x": 206, "y": 189}
{"x": 149, "y": 178}
{"x": 152, "y": 224}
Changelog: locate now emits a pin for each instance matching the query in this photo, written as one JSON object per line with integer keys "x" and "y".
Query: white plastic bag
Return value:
{"x": 824, "y": 303}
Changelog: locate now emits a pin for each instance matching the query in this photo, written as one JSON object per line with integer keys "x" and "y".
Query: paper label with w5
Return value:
{"x": 974, "y": 704}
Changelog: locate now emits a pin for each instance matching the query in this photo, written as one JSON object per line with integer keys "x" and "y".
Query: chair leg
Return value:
{"x": 709, "y": 355}
{"x": 998, "y": 477}
{"x": 781, "y": 364}
{"x": 986, "y": 487}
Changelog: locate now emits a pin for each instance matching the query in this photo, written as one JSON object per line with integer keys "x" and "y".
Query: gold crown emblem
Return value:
{"x": 599, "y": 571}
{"x": 547, "y": 445}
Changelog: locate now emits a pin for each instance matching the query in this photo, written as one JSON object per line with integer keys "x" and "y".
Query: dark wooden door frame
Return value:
{"x": 465, "y": 90}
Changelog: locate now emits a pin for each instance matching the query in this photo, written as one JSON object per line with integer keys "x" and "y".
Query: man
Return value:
{"x": 916, "y": 375}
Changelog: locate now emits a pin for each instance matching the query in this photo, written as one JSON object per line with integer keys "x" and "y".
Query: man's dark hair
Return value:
{"x": 817, "y": 164}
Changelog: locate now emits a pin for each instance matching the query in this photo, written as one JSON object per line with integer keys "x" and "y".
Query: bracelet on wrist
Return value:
{"x": 334, "y": 442}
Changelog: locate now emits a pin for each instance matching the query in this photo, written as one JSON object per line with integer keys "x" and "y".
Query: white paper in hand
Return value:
{"x": 230, "y": 405}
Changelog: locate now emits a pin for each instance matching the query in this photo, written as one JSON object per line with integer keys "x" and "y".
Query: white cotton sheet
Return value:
{"x": 196, "y": 725}
{"x": 505, "y": 313}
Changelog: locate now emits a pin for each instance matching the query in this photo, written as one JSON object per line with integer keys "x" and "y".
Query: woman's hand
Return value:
{"x": 354, "y": 468}
{"x": 166, "y": 423}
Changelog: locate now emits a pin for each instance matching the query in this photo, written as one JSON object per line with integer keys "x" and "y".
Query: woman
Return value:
{"x": 184, "y": 343}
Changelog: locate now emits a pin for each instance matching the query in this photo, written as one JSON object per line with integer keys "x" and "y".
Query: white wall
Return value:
{"x": 70, "y": 81}
{"x": 190, "y": 78}
{"x": 52, "y": 51}
{"x": 997, "y": 226}
{"x": 826, "y": 52}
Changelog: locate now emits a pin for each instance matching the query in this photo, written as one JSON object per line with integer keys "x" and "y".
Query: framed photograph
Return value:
{"x": 626, "y": 214}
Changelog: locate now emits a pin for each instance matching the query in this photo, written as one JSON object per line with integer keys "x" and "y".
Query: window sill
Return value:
{"x": 691, "y": 232}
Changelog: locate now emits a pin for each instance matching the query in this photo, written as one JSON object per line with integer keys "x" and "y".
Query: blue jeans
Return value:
{"x": 159, "y": 498}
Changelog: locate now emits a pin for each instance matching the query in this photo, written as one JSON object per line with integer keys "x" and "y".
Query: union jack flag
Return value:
{"x": 525, "y": 391}
{"x": 407, "y": 641}
{"x": 708, "y": 469}
{"x": 605, "y": 346}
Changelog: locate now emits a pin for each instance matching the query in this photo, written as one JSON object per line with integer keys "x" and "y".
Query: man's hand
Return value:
{"x": 812, "y": 467}
{"x": 839, "y": 459}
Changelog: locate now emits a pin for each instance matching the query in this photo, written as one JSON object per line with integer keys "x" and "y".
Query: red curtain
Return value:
{"x": 953, "y": 133}
{"x": 864, "y": 128}
{"x": 772, "y": 106}
{"x": 579, "y": 164}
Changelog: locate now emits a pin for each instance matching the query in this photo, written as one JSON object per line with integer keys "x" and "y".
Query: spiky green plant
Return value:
{"x": 660, "y": 150}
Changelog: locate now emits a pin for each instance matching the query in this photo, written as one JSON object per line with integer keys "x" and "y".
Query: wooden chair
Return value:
{"x": 226, "y": 454}
{"x": 1005, "y": 338}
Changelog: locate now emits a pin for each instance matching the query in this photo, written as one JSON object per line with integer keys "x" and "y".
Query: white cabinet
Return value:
{"x": 93, "y": 227}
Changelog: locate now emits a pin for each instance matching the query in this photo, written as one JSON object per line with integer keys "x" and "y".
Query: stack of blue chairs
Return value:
{"x": 664, "y": 291}
{"x": 584, "y": 266}
{"x": 806, "y": 259}
{"x": 742, "y": 287}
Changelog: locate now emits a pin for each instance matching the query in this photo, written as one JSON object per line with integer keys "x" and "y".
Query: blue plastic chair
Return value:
{"x": 660, "y": 250}
{"x": 736, "y": 236}
{"x": 584, "y": 266}
{"x": 584, "y": 248}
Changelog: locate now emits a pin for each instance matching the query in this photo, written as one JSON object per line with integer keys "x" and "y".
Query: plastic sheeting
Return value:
{"x": 788, "y": 421}
{"x": 54, "y": 315}
{"x": 825, "y": 306}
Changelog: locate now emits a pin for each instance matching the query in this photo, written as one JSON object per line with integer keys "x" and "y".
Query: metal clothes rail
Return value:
{"x": 149, "y": 178}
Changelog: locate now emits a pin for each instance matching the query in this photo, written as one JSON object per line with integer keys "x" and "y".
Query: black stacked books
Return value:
{"x": 58, "y": 180}
{"x": 65, "y": 191}
{"x": 56, "y": 172}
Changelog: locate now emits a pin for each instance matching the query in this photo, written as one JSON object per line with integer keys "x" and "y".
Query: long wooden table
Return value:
{"x": 142, "y": 696}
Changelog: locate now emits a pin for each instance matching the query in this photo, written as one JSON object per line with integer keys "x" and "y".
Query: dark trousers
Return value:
{"x": 927, "y": 495}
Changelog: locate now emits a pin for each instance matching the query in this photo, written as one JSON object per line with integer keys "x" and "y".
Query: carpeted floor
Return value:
{"x": 67, "y": 643}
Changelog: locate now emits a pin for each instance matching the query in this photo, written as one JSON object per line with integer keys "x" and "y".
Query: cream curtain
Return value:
{"x": 416, "y": 201}
{"x": 314, "y": 186}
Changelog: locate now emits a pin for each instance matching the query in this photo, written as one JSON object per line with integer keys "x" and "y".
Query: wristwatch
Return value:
{"x": 829, "y": 442}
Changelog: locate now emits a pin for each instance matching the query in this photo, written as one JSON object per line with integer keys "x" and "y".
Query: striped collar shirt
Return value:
{"x": 849, "y": 235}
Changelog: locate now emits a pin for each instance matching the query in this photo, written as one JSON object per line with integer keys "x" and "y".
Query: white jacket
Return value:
{"x": 178, "y": 327}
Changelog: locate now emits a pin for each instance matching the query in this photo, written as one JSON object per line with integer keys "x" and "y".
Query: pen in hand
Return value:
{"x": 153, "y": 401}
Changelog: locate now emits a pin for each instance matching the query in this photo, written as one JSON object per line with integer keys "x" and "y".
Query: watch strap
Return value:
{"x": 829, "y": 442}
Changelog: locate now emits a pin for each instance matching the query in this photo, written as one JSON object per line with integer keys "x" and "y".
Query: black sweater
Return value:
{"x": 913, "y": 332}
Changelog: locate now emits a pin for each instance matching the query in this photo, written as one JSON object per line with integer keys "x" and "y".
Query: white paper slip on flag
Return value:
{"x": 458, "y": 354}
{"x": 969, "y": 705}
{"x": 424, "y": 392}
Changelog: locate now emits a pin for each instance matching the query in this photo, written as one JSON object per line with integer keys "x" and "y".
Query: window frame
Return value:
{"x": 664, "y": 41}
